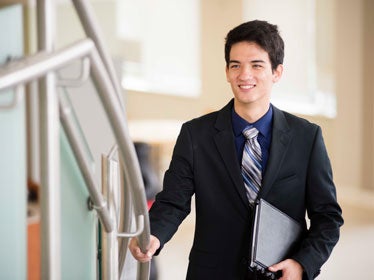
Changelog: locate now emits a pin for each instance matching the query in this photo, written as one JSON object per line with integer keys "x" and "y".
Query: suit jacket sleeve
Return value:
{"x": 322, "y": 209}
{"x": 173, "y": 203}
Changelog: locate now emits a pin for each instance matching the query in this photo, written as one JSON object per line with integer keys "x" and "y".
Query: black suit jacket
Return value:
{"x": 298, "y": 179}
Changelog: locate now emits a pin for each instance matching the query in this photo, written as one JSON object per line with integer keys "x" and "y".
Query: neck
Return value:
{"x": 251, "y": 112}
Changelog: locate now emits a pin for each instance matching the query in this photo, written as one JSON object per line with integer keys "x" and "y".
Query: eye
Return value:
{"x": 257, "y": 66}
{"x": 234, "y": 66}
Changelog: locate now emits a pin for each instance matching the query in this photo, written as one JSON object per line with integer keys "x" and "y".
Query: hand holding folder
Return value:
{"x": 275, "y": 236}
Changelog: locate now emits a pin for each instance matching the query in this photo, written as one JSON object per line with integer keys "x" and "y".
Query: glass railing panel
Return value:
{"x": 13, "y": 244}
{"x": 75, "y": 192}
{"x": 89, "y": 113}
{"x": 13, "y": 189}
{"x": 78, "y": 223}
{"x": 92, "y": 126}
{"x": 66, "y": 103}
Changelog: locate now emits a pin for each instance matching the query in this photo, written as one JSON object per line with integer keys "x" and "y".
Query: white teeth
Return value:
{"x": 247, "y": 86}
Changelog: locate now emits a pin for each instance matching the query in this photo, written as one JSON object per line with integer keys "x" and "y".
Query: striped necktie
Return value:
{"x": 251, "y": 163}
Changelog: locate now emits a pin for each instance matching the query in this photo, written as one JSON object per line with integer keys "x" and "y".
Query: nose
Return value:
{"x": 245, "y": 73}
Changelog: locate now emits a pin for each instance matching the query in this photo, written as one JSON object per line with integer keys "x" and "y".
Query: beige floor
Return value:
{"x": 352, "y": 258}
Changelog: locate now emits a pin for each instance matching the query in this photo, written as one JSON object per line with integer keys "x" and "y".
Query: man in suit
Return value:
{"x": 294, "y": 171}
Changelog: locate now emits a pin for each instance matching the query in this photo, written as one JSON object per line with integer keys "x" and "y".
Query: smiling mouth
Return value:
{"x": 246, "y": 86}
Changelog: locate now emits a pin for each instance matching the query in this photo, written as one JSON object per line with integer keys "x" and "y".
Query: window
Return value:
{"x": 161, "y": 45}
{"x": 307, "y": 27}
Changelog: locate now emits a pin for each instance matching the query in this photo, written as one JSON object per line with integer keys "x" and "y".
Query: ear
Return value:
{"x": 277, "y": 73}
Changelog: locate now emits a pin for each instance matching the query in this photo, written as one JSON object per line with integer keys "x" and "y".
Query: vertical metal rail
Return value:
{"x": 110, "y": 186}
{"x": 125, "y": 222}
{"x": 124, "y": 217}
{"x": 49, "y": 151}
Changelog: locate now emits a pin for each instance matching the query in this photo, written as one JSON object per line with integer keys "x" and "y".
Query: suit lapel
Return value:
{"x": 281, "y": 139}
{"x": 224, "y": 140}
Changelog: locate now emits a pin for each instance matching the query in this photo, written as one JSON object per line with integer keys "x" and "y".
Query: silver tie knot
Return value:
{"x": 250, "y": 132}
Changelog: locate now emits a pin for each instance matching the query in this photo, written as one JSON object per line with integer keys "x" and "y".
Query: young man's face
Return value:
{"x": 250, "y": 74}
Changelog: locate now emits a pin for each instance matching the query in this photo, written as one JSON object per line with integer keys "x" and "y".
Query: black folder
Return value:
{"x": 275, "y": 236}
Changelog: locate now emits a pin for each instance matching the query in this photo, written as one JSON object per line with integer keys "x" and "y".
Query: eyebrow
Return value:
{"x": 233, "y": 61}
{"x": 252, "y": 61}
{"x": 257, "y": 61}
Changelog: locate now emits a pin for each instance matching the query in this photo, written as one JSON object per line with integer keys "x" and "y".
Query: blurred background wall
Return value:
{"x": 349, "y": 136}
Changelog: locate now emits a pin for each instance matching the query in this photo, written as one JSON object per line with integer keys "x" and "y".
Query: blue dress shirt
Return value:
{"x": 264, "y": 126}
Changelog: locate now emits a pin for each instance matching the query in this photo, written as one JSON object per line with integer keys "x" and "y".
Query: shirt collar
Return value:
{"x": 263, "y": 125}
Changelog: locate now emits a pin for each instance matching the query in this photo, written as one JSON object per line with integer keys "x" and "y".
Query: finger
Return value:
{"x": 153, "y": 246}
{"x": 140, "y": 256}
{"x": 136, "y": 251}
{"x": 276, "y": 267}
{"x": 133, "y": 245}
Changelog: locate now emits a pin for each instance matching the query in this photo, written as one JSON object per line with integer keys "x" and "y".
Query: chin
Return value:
{"x": 247, "y": 100}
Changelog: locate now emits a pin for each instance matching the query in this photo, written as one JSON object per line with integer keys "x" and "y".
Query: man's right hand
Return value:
{"x": 135, "y": 250}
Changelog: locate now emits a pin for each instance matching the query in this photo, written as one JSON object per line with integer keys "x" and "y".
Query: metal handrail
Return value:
{"x": 38, "y": 65}
{"x": 41, "y": 64}
{"x": 117, "y": 193}
{"x": 98, "y": 201}
{"x": 140, "y": 219}
{"x": 124, "y": 209}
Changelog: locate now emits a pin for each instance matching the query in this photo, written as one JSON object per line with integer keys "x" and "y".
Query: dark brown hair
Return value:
{"x": 262, "y": 33}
